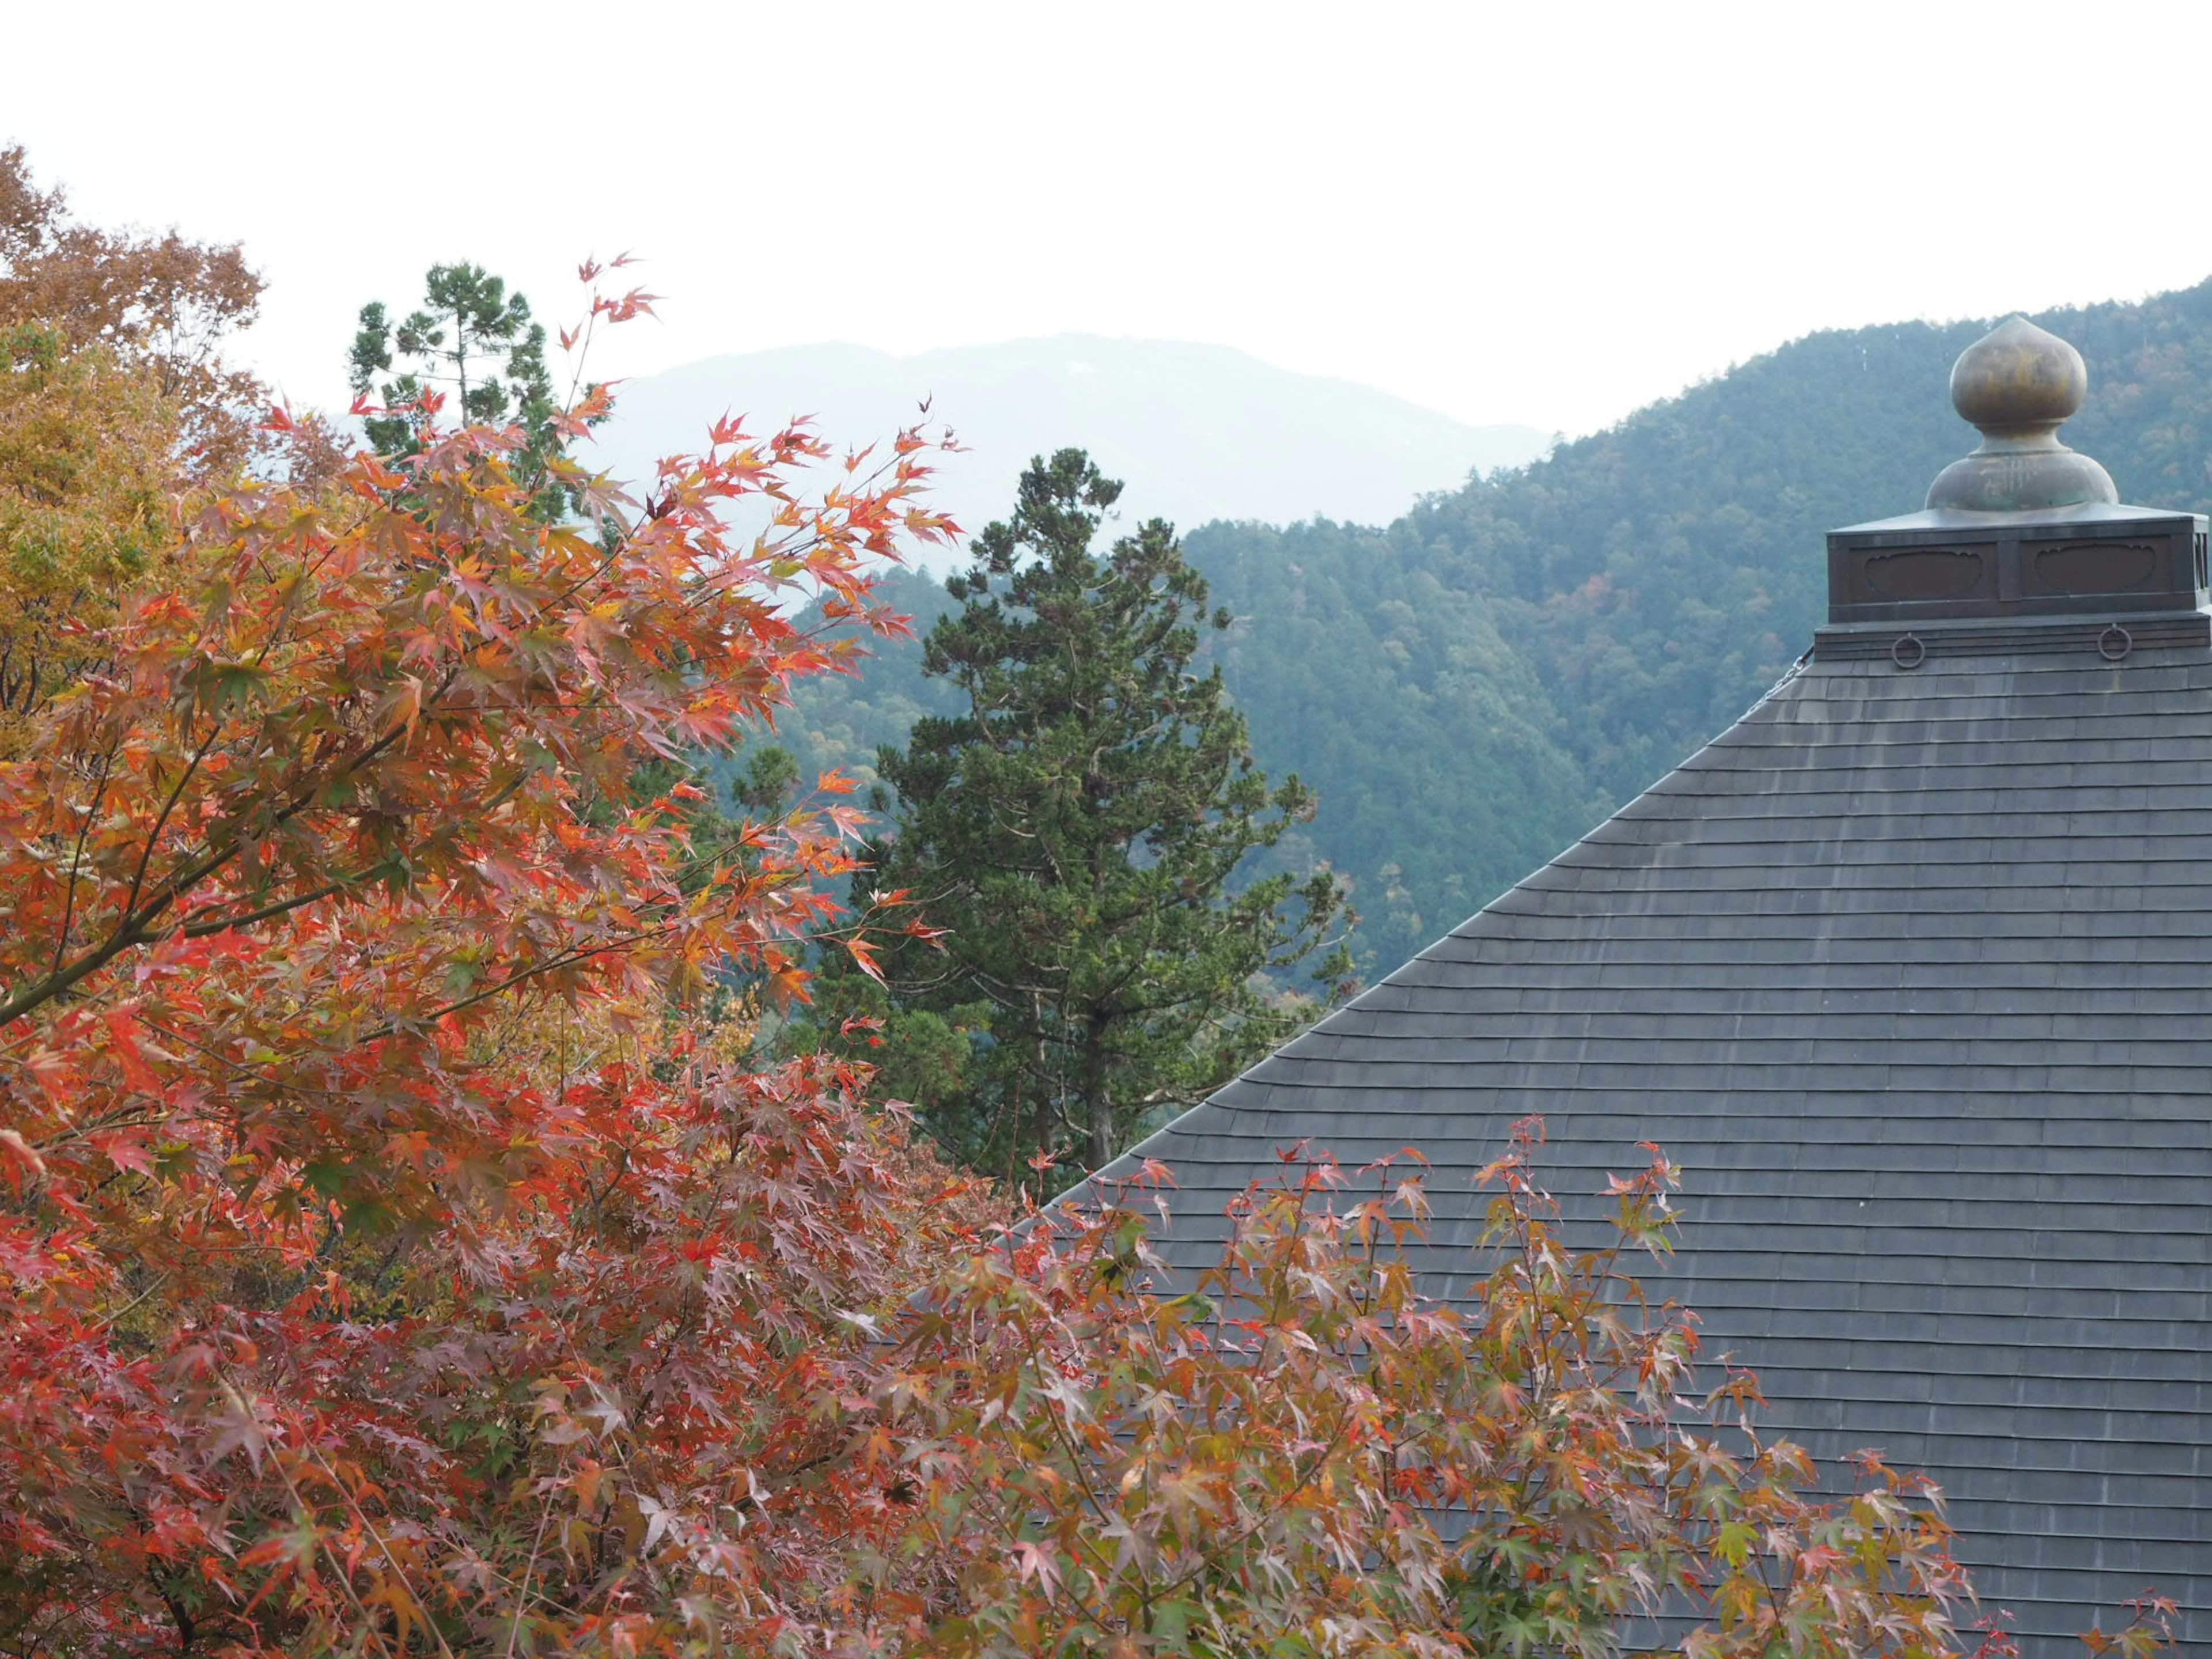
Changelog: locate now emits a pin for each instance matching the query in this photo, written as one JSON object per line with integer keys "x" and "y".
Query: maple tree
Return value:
{"x": 351, "y": 784}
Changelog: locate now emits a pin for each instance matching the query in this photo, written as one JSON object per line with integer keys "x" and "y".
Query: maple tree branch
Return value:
{"x": 76, "y": 855}
{"x": 239, "y": 1067}
{"x": 277, "y": 907}
{"x": 1076, "y": 1462}
{"x": 136, "y": 925}
{"x": 383, "y": 1548}
{"x": 187, "y": 1631}
{"x": 565, "y": 959}
{"x": 125, "y": 1309}
{"x": 161, "y": 818}
{"x": 130, "y": 1119}
{"x": 528, "y": 1571}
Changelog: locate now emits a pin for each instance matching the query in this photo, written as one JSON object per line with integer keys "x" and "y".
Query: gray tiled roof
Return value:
{"x": 1911, "y": 973}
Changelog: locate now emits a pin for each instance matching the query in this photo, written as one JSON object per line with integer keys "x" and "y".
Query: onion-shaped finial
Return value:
{"x": 2019, "y": 384}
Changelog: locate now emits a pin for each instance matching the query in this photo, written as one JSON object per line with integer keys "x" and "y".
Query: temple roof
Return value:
{"x": 1910, "y": 971}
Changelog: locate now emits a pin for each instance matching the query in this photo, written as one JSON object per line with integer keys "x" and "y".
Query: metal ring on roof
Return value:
{"x": 1908, "y": 651}
{"x": 2114, "y": 644}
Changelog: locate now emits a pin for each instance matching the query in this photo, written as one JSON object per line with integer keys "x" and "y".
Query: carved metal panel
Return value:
{"x": 2005, "y": 568}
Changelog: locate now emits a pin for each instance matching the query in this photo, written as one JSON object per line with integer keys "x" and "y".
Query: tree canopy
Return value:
{"x": 114, "y": 394}
{"x": 161, "y": 302}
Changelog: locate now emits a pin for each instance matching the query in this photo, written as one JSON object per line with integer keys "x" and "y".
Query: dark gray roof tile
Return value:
{"x": 1912, "y": 974}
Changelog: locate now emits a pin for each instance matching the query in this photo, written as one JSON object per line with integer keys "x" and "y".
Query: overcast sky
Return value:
{"x": 1542, "y": 212}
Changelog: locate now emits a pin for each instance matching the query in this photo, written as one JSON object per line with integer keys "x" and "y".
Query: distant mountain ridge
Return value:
{"x": 1476, "y": 685}
{"x": 1199, "y": 433}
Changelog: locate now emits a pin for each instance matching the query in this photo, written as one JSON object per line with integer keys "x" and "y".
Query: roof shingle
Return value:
{"x": 1908, "y": 971}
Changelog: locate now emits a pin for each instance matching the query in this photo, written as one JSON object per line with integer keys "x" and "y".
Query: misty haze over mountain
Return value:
{"x": 1198, "y": 433}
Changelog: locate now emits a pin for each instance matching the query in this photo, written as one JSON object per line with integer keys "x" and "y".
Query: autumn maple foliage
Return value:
{"x": 362, "y": 1195}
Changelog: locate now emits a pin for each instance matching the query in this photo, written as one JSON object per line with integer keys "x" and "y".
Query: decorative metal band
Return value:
{"x": 2181, "y": 630}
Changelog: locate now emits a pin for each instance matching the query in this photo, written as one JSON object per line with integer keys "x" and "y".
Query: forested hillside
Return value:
{"x": 1473, "y": 686}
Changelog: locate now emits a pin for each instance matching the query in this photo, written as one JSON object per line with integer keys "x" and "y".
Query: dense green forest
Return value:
{"x": 1473, "y": 686}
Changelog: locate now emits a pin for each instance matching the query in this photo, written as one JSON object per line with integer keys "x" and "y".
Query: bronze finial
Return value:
{"x": 2019, "y": 384}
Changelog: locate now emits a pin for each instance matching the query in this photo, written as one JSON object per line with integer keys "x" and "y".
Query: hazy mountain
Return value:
{"x": 1198, "y": 432}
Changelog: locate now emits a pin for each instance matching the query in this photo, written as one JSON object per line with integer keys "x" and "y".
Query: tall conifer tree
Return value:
{"x": 1077, "y": 832}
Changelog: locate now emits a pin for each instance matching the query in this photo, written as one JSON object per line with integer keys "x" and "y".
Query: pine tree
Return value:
{"x": 1078, "y": 833}
{"x": 470, "y": 338}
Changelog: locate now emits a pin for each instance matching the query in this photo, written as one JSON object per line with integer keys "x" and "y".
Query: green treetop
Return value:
{"x": 1076, "y": 833}
{"x": 471, "y": 339}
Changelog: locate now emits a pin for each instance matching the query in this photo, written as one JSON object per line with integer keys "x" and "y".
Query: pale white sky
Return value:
{"x": 1550, "y": 213}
